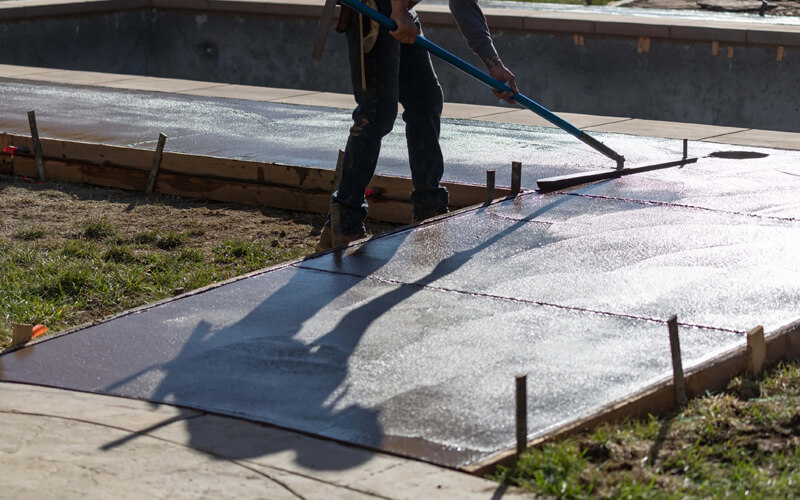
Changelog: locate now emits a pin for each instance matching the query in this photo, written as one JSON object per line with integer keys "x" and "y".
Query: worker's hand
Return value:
{"x": 406, "y": 31}
{"x": 498, "y": 71}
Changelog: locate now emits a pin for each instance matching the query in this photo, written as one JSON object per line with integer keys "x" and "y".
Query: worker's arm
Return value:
{"x": 406, "y": 31}
{"x": 472, "y": 23}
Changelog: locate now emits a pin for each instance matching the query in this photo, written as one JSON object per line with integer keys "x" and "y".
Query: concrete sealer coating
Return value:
{"x": 310, "y": 136}
{"x": 410, "y": 342}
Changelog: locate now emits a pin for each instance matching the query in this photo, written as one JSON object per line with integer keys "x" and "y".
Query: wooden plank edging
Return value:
{"x": 221, "y": 179}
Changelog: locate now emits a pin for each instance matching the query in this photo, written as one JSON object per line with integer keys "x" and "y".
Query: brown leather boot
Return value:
{"x": 326, "y": 239}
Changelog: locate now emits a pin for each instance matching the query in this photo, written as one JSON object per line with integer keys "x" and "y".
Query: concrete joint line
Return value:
{"x": 680, "y": 205}
{"x": 311, "y": 478}
{"x": 523, "y": 219}
{"x": 260, "y": 473}
{"x": 613, "y": 122}
{"x": 523, "y": 301}
{"x": 107, "y": 426}
{"x": 725, "y": 134}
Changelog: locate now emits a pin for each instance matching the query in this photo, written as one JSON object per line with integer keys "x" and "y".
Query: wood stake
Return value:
{"x": 644, "y": 44}
{"x": 578, "y": 40}
{"x": 151, "y": 181}
{"x": 780, "y": 54}
{"x": 715, "y": 48}
{"x": 730, "y": 52}
{"x": 756, "y": 350}
{"x": 37, "y": 146}
{"x": 516, "y": 177}
{"x": 489, "y": 186}
{"x": 335, "y": 211}
{"x": 522, "y": 413}
{"x": 337, "y": 174}
{"x": 21, "y": 333}
{"x": 677, "y": 366}
{"x": 336, "y": 225}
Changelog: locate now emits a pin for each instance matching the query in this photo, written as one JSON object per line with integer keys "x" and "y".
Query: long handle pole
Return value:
{"x": 495, "y": 84}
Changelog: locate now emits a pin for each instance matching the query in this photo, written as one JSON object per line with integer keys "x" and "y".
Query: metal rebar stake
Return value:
{"x": 336, "y": 225}
{"x": 37, "y": 146}
{"x": 522, "y": 413}
{"x": 677, "y": 365}
{"x": 516, "y": 177}
{"x": 151, "y": 179}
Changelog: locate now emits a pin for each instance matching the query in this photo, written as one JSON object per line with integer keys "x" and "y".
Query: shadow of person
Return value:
{"x": 264, "y": 367}
{"x": 286, "y": 362}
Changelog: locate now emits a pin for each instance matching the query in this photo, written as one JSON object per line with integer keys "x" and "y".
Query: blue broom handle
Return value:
{"x": 488, "y": 80}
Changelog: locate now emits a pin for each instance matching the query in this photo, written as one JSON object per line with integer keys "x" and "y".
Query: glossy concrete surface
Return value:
{"x": 310, "y": 136}
{"x": 415, "y": 370}
{"x": 410, "y": 342}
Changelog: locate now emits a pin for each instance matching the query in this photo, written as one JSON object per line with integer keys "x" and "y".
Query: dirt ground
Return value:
{"x": 775, "y": 7}
{"x": 59, "y": 208}
{"x": 74, "y": 254}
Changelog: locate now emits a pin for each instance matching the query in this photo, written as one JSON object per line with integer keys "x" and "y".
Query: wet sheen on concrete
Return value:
{"x": 311, "y": 136}
{"x": 410, "y": 342}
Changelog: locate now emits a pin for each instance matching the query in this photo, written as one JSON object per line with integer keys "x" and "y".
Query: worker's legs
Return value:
{"x": 421, "y": 97}
{"x": 373, "y": 118}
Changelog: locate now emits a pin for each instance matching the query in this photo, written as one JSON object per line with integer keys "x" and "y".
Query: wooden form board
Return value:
{"x": 659, "y": 399}
{"x": 220, "y": 179}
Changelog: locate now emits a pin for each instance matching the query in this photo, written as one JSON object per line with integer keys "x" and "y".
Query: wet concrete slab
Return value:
{"x": 311, "y": 136}
{"x": 644, "y": 260}
{"x": 410, "y": 342}
{"x": 414, "y": 370}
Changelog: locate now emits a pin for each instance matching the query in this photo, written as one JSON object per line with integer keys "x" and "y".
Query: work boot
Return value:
{"x": 326, "y": 239}
{"x": 419, "y": 214}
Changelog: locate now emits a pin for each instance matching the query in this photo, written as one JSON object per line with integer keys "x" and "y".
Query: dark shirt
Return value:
{"x": 472, "y": 23}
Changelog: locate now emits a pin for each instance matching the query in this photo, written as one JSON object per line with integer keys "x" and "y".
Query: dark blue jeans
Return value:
{"x": 395, "y": 73}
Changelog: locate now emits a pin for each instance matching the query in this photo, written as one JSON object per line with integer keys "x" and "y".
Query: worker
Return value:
{"x": 395, "y": 70}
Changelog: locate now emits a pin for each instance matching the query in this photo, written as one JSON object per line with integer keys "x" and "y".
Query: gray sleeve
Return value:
{"x": 472, "y": 23}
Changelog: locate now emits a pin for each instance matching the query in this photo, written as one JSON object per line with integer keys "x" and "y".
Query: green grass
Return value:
{"x": 743, "y": 443}
{"x": 98, "y": 271}
{"x": 98, "y": 229}
{"x": 145, "y": 237}
{"x": 30, "y": 234}
{"x": 170, "y": 240}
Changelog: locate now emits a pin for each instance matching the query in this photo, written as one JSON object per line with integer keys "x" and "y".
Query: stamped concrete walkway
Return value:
{"x": 65, "y": 444}
{"x": 409, "y": 342}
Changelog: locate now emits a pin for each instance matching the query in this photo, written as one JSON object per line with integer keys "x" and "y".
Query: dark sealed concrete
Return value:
{"x": 410, "y": 342}
{"x": 414, "y": 370}
{"x": 629, "y": 258}
{"x": 308, "y": 136}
